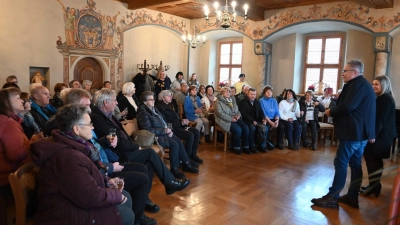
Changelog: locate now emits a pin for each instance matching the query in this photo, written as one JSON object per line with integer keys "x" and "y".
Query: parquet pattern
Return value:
{"x": 266, "y": 188}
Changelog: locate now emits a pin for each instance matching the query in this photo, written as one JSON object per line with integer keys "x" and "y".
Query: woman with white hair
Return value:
{"x": 127, "y": 100}
{"x": 87, "y": 85}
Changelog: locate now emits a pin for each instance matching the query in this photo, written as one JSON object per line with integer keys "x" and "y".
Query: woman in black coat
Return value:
{"x": 385, "y": 129}
{"x": 128, "y": 101}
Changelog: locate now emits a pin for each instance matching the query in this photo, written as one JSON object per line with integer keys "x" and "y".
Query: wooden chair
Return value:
{"x": 6, "y": 197}
{"x": 394, "y": 208}
{"x": 226, "y": 135}
{"x": 23, "y": 185}
{"x": 181, "y": 110}
{"x": 326, "y": 127}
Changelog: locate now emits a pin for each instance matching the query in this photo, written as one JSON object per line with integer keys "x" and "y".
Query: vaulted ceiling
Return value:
{"x": 192, "y": 9}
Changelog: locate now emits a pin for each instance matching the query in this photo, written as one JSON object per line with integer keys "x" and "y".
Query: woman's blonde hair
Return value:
{"x": 385, "y": 83}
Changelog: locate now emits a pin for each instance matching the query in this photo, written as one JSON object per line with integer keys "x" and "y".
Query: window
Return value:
{"x": 229, "y": 61}
{"x": 323, "y": 62}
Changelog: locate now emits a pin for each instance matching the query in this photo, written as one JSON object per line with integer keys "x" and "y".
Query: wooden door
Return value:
{"x": 89, "y": 69}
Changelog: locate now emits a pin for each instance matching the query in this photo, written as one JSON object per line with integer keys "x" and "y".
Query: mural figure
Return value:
{"x": 109, "y": 30}
{"x": 38, "y": 78}
{"x": 70, "y": 18}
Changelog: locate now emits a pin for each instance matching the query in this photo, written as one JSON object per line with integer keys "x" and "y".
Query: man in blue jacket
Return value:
{"x": 354, "y": 121}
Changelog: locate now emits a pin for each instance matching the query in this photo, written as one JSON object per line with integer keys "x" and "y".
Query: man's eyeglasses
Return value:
{"x": 344, "y": 71}
{"x": 90, "y": 124}
{"x": 150, "y": 99}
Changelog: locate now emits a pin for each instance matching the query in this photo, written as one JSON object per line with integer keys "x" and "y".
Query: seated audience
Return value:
{"x": 12, "y": 79}
{"x": 193, "y": 81}
{"x": 289, "y": 110}
{"x": 87, "y": 85}
{"x": 127, "y": 101}
{"x": 149, "y": 118}
{"x": 325, "y": 99}
{"x": 239, "y": 97}
{"x": 75, "y": 84}
{"x": 309, "y": 110}
{"x": 14, "y": 145}
{"x": 180, "y": 95}
{"x": 202, "y": 91}
{"x": 10, "y": 84}
{"x": 271, "y": 111}
{"x": 176, "y": 84}
{"x": 103, "y": 119}
{"x": 208, "y": 100}
{"x": 279, "y": 98}
{"x": 28, "y": 123}
{"x": 82, "y": 189}
{"x": 168, "y": 108}
{"x": 107, "y": 84}
{"x": 162, "y": 83}
{"x": 228, "y": 117}
{"x": 194, "y": 112}
{"x": 41, "y": 109}
{"x": 253, "y": 115}
{"x": 334, "y": 100}
{"x": 56, "y": 102}
{"x": 233, "y": 90}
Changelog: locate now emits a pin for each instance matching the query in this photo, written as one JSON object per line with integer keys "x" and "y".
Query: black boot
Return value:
{"x": 177, "y": 173}
{"x": 207, "y": 138}
{"x": 151, "y": 207}
{"x": 247, "y": 151}
{"x": 197, "y": 158}
{"x": 188, "y": 167}
{"x": 176, "y": 185}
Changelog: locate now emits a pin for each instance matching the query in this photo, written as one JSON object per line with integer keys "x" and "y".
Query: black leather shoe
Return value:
{"x": 269, "y": 145}
{"x": 262, "y": 149}
{"x": 279, "y": 146}
{"x": 194, "y": 164}
{"x": 326, "y": 201}
{"x": 314, "y": 147}
{"x": 176, "y": 185}
{"x": 350, "y": 201}
{"x": 178, "y": 174}
{"x": 188, "y": 167}
{"x": 253, "y": 150}
{"x": 291, "y": 147}
{"x": 296, "y": 146}
{"x": 372, "y": 190}
{"x": 144, "y": 220}
{"x": 237, "y": 151}
{"x": 151, "y": 207}
{"x": 247, "y": 151}
{"x": 197, "y": 158}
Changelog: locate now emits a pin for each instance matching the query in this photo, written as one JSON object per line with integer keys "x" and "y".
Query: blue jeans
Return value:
{"x": 348, "y": 153}
{"x": 240, "y": 130}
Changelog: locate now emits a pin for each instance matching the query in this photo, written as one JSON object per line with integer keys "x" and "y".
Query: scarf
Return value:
{"x": 159, "y": 117}
{"x": 291, "y": 100}
{"x": 211, "y": 99}
{"x": 39, "y": 109}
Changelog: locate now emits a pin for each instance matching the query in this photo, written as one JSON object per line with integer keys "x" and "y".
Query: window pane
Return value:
{"x": 312, "y": 77}
{"x": 330, "y": 78}
{"x": 314, "y": 51}
{"x": 225, "y": 53}
{"x": 332, "y": 50}
{"x": 223, "y": 74}
{"x": 237, "y": 53}
{"x": 235, "y": 72}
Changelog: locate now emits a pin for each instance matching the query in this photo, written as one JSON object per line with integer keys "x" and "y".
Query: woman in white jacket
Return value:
{"x": 289, "y": 110}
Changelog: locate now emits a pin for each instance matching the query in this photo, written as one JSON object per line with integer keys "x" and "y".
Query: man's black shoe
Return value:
{"x": 253, "y": 150}
{"x": 144, "y": 220}
{"x": 237, "y": 151}
{"x": 194, "y": 163}
{"x": 151, "y": 207}
{"x": 177, "y": 173}
{"x": 188, "y": 167}
{"x": 262, "y": 149}
{"x": 247, "y": 151}
{"x": 350, "y": 201}
{"x": 197, "y": 159}
{"x": 326, "y": 201}
{"x": 176, "y": 185}
{"x": 280, "y": 146}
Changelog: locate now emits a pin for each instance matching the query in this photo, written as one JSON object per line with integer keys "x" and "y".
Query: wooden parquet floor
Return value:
{"x": 266, "y": 188}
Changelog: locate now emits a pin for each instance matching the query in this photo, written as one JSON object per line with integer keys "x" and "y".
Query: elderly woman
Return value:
{"x": 385, "y": 130}
{"x": 127, "y": 101}
{"x": 149, "y": 118}
{"x": 289, "y": 111}
{"x": 309, "y": 110}
{"x": 194, "y": 112}
{"x": 14, "y": 145}
{"x": 271, "y": 111}
{"x": 169, "y": 109}
{"x": 228, "y": 117}
{"x": 176, "y": 84}
{"x": 163, "y": 83}
{"x": 82, "y": 193}
{"x": 87, "y": 85}
{"x": 209, "y": 99}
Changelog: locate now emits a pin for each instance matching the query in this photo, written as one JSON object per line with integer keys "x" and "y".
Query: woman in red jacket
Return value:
{"x": 71, "y": 189}
{"x": 14, "y": 145}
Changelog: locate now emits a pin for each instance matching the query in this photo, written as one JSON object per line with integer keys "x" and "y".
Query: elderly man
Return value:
{"x": 354, "y": 120}
{"x": 41, "y": 108}
{"x": 180, "y": 95}
{"x": 242, "y": 95}
{"x": 103, "y": 120}
{"x": 75, "y": 84}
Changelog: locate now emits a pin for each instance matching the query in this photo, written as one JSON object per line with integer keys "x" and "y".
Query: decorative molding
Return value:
{"x": 72, "y": 59}
{"x": 107, "y": 61}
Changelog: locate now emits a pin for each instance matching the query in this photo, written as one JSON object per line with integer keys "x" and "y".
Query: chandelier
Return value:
{"x": 226, "y": 18}
{"x": 196, "y": 40}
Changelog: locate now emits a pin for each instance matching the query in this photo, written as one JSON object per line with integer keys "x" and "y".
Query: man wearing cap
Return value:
{"x": 241, "y": 82}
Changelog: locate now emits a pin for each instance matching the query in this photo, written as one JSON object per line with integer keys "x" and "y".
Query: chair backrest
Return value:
{"x": 23, "y": 184}
{"x": 130, "y": 126}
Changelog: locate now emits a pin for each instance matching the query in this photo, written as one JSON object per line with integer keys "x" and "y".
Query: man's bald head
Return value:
{"x": 40, "y": 95}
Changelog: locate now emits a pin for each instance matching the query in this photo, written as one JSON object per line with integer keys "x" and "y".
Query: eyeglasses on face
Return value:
{"x": 152, "y": 99}
{"x": 344, "y": 71}
{"x": 82, "y": 124}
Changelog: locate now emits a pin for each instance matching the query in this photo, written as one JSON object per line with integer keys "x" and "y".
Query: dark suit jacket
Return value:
{"x": 251, "y": 113}
{"x": 102, "y": 125}
{"x": 123, "y": 103}
{"x": 354, "y": 114}
{"x": 170, "y": 114}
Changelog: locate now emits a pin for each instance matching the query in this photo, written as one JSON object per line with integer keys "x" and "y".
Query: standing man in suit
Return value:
{"x": 354, "y": 121}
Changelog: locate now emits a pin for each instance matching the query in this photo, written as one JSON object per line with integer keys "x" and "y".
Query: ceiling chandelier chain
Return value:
{"x": 225, "y": 18}
{"x": 196, "y": 40}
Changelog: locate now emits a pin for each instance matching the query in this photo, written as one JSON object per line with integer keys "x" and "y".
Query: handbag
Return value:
{"x": 146, "y": 139}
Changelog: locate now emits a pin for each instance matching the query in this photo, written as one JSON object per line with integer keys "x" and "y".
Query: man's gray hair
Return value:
{"x": 357, "y": 65}
{"x": 164, "y": 93}
{"x": 69, "y": 115}
{"x": 74, "y": 95}
{"x": 102, "y": 95}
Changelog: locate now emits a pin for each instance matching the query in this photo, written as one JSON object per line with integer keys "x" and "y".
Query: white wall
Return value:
{"x": 395, "y": 69}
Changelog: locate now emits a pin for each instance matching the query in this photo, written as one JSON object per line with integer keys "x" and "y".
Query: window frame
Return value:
{"x": 322, "y": 65}
{"x": 230, "y": 66}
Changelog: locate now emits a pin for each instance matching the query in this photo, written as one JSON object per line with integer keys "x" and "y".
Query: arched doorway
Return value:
{"x": 89, "y": 69}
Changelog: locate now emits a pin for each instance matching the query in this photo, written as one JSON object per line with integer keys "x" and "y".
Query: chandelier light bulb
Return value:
{"x": 216, "y": 5}
{"x": 245, "y": 7}
{"x": 233, "y": 5}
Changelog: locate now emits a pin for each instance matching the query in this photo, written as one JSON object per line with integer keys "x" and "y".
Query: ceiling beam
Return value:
{"x": 138, "y": 4}
{"x": 381, "y": 4}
